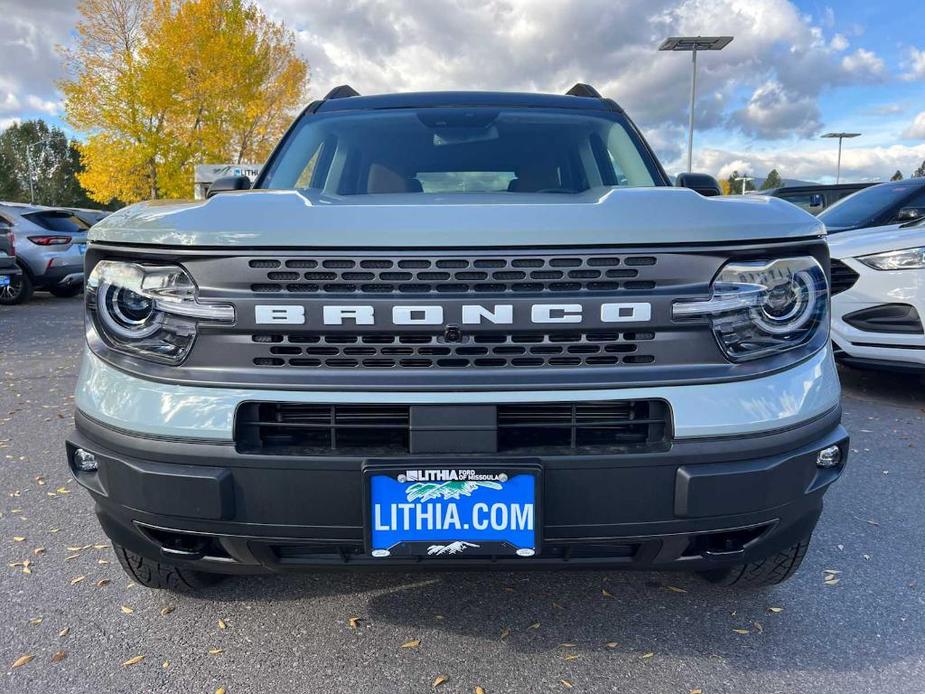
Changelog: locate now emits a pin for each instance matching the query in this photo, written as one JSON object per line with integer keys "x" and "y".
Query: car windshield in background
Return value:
{"x": 461, "y": 150}
{"x": 866, "y": 205}
{"x": 63, "y": 222}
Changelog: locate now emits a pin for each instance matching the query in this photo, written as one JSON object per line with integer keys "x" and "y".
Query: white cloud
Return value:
{"x": 916, "y": 131}
{"x": 839, "y": 42}
{"x": 863, "y": 64}
{"x": 914, "y": 64}
{"x": 405, "y": 45}
{"x": 773, "y": 113}
{"x": 857, "y": 164}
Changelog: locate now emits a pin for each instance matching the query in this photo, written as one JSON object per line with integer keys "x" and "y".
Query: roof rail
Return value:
{"x": 582, "y": 89}
{"x": 341, "y": 92}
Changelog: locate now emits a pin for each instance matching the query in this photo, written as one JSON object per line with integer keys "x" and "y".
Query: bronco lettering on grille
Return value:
{"x": 435, "y": 314}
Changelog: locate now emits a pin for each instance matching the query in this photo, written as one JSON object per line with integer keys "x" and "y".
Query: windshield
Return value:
{"x": 461, "y": 150}
{"x": 865, "y": 207}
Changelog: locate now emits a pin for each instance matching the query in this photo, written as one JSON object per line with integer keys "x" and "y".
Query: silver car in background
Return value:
{"x": 50, "y": 245}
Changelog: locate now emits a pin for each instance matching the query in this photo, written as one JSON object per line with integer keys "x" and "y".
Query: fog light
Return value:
{"x": 85, "y": 461}
{"x": 829, "y": 457}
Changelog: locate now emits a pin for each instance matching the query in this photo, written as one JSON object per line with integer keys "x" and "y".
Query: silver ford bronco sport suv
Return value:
{"x": 458, "y": 329}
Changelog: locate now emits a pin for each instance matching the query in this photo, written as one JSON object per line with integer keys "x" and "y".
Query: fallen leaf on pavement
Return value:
{"x": 646, "y": 656}
{"x": 103, "y": 582}
{"x": 439, "y": 679}
{"x": 216, "y": 651}
{"x": 58, "y": 657}
{"x": 675, "y": 589}
{"x": 75, "y": 581}
{"x": 775, "y": 610}
{"x": 744, "y": 632}
{"x": 221, "y": 624}
{"x": 167, "y": 610}
{"x": 413, "y": 643}
{"x": 133, "y": 661}
{"x": 64, "y": 632}
{"x": 354, "y": 622}
{"x": 566, "y": 684}
{"x": 22, "y": 660}
{"x": 126, "y": 609}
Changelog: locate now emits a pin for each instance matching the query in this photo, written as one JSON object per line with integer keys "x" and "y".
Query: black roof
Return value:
{"x": 449, "y": 99}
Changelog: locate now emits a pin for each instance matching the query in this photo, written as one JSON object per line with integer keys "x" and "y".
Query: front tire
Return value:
{"x": 18, "y": 291}
{"x": 162, "y": 575}
{"x": 769, "y": 571}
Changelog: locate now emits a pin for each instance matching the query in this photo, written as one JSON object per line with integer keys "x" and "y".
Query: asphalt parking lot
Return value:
{"x": 73, "y": 610}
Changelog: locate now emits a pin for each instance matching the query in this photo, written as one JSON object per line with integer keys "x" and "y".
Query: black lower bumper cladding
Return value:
{"x": 695, "y": 504}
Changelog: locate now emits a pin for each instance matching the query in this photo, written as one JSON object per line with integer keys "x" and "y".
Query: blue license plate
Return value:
{"x": 453, "y": 512}
{"x": 4, "y": 280}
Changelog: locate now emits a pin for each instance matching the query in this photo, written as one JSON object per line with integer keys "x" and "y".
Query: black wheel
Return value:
{"x": 765, "y": 572}
{"x": 18, "y": 291}
{"x": 158, "y": 574}
{"x": 68, "y": 291}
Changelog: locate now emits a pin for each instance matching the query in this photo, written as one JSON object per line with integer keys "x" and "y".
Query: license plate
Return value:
{"x": 4, "y": 280}
{"x": 449, "y": 512}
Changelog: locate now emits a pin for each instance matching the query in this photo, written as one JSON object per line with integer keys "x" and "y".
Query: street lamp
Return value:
{"x": 694, "y": 44}
{"x": 745, "y": 180}
{"x": 840, "y": 136}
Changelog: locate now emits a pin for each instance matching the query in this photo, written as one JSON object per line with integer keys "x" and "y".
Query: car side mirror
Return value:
{"x": 910, "y": 214}
{"x": 227, "y": 184}
{"x": 815, "y": 200}
{"x": 704, "y": 184}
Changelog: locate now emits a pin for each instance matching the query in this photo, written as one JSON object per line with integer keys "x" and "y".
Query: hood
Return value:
{"x": 893, "y": 237}
{"x": 630, "y": 216}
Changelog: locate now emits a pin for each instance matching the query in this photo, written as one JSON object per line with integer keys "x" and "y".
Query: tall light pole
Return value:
{"x": 840, "y": 136}
{"x": 694, "y": 44}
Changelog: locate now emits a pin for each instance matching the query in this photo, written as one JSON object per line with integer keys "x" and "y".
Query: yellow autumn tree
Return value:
{"x": 158, "y": 86}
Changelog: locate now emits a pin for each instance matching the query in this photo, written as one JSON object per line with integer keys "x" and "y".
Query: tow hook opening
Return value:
{"x": 724, "y": 545}
{"x": 181, "y": 545}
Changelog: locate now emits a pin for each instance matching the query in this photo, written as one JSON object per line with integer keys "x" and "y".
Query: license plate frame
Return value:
{"x": 474, "y": 546}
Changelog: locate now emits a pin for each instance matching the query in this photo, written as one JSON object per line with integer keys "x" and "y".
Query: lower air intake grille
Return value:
{"x": 586, "y": 428}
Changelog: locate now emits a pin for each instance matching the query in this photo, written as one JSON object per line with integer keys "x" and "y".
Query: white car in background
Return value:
{"x": 878, "y": 297}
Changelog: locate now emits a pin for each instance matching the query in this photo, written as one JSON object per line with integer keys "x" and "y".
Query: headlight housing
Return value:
{"x": 763, "y": 307}
{"x": 149, "y": 311}
{"x": 906, "y": 259}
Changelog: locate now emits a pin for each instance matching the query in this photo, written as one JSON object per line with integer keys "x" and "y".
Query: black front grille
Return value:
{"x": 583, "y": 428}
{"x": 429, "y": 351}
{"x": 443, "y": 275}
{"x": 586, "y": 426}
{"x": 843, "y": 277}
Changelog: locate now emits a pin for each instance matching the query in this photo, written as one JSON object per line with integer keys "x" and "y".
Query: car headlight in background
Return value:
{"x": 150, "y": 311}
{"x": 906, "y": 259}
{"x": 764, "y": 307}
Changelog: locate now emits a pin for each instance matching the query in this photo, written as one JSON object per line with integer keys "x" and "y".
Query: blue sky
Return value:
{"x": 796, "y": 69}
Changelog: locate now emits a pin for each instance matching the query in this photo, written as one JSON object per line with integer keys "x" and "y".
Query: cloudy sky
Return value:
{"x": 796, "y": 69}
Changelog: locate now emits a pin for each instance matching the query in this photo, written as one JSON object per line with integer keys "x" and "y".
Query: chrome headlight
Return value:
{"x": 763, "y": 307}
{"x": 906, "y": 259}
{"x": 149, "y": 311}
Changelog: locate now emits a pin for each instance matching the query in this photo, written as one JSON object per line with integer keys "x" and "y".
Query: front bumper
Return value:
{"x": 708, "y": 500}
{"x": 894, "y": 351}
